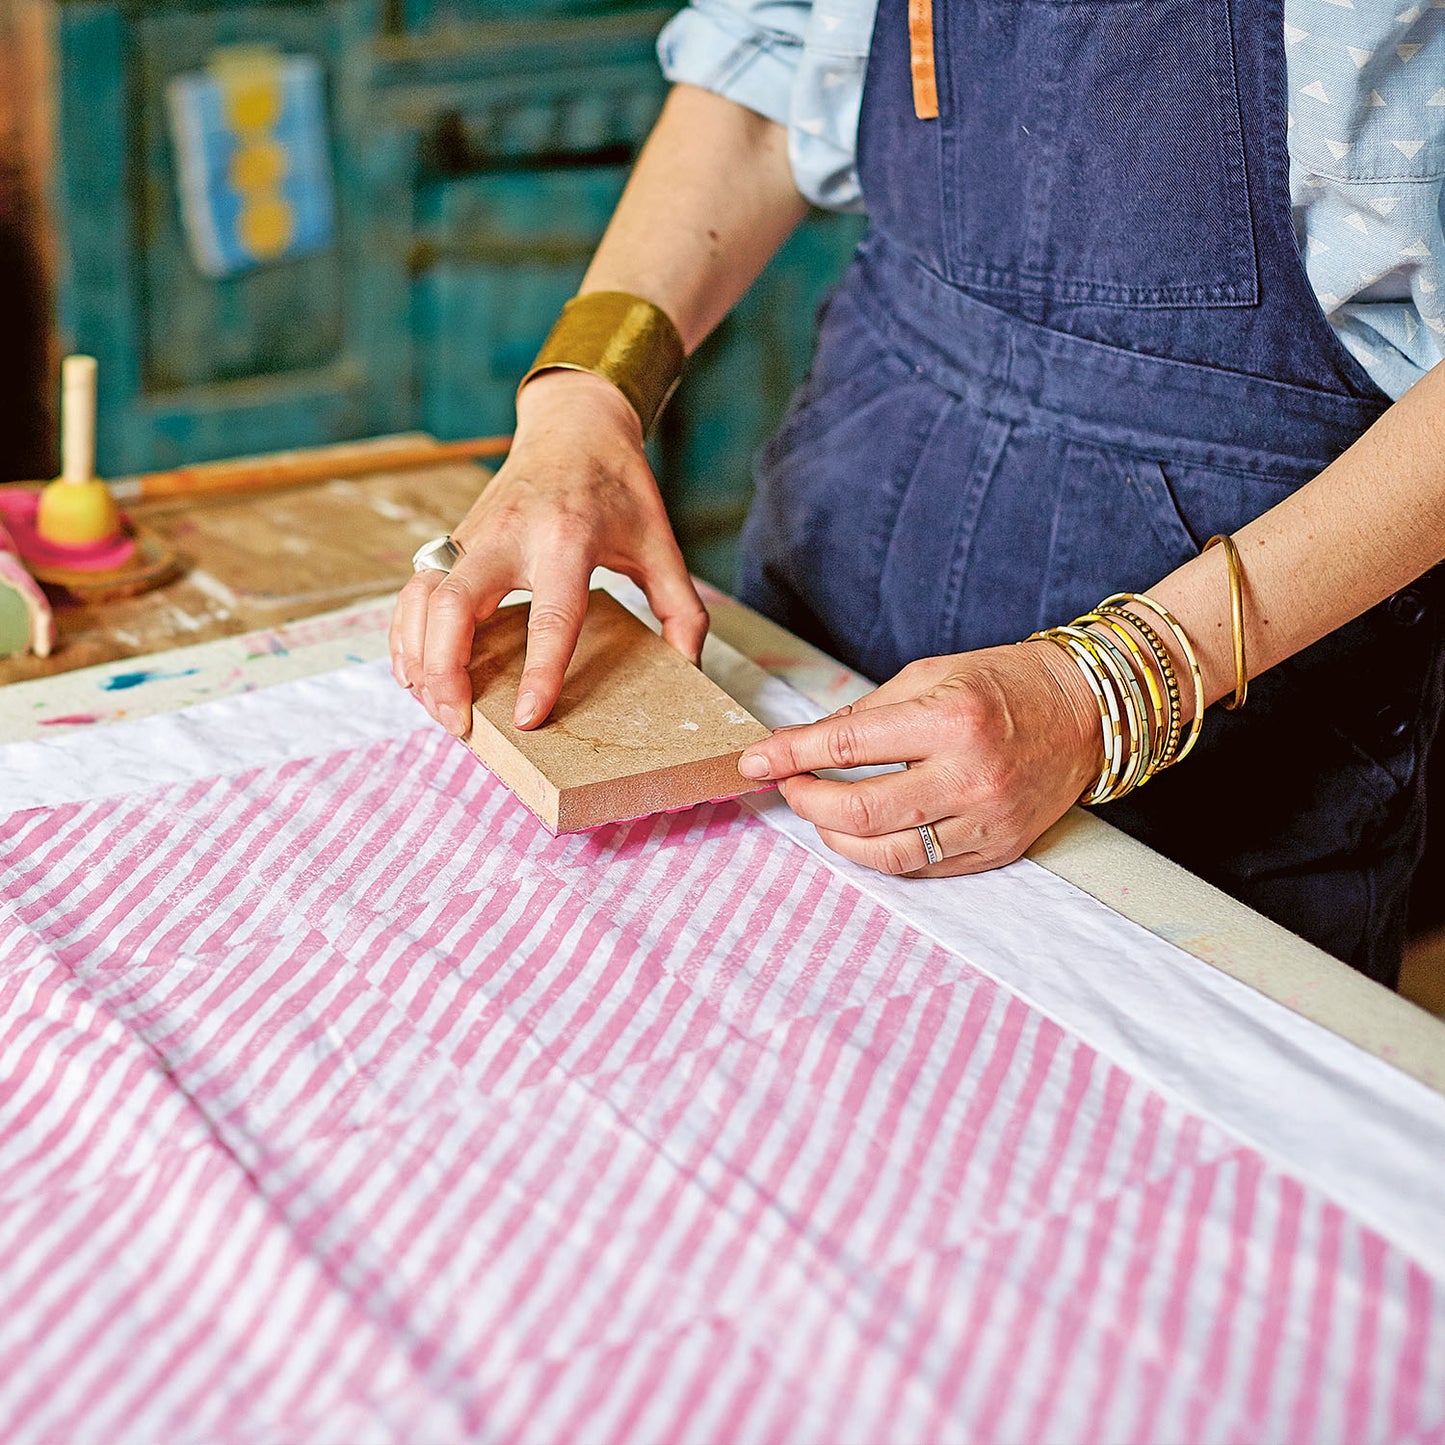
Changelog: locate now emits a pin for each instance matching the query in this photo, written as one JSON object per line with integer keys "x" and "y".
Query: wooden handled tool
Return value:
{"x": 77, "y": 419}
{"x": 77, "y": 510}
{"x": 315, "y": 464}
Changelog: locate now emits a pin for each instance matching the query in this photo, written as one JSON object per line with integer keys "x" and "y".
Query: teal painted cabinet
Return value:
{"x": 476, "y": 148}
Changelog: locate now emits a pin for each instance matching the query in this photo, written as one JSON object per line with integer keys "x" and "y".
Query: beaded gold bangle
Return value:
{"x": 1142, "y": 599}
{"x": 1131, "y": 623}
{"x": 1236, "y": 616}
{"x": 622, "y": 338}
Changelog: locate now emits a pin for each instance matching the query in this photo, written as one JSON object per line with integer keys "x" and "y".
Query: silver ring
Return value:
{"x": 441, "y": 554}
{"x": 931, "y": 845}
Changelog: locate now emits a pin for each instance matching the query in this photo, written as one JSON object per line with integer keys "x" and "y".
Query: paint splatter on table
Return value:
{"x": 227, "y": 666}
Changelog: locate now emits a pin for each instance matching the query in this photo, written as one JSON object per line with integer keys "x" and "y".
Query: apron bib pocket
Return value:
{"x": 1125, "y": 183}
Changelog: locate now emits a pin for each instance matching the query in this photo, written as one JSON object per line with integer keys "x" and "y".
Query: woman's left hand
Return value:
{"x": 1000, "y": 743}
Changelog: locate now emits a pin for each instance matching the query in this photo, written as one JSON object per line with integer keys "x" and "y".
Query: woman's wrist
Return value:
{"x": 623, "y": 338}
{"x": 553, "y": 396}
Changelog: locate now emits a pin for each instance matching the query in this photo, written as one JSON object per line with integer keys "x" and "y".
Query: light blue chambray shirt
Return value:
{"x": 1366, "y": 139}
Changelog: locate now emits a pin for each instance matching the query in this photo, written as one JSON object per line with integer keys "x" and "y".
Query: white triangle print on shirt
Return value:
{"x": 1339, "y": 149}
{"x": 1408, "y": 52}
{"x": 1361, "y": 57}
{"x": 1410, "y": 16}
{"x": 1417, "y": 248}
{"x": 1376, "y": 100}
{"x": 1383, "y": 205}
{"x": 1356, "y": 220}
{"x": 1316, "y": 89}
{"x": 1408, "y": 148}
{"x": 1293, "y": 34}
{"x": 1317, "y": 246}
{"x": 1438, "y": 98}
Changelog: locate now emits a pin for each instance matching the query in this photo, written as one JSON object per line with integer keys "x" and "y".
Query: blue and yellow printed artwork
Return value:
{"x": 252, "y": 159}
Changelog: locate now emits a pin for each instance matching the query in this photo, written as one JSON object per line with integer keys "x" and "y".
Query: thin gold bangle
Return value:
{"x": 1112, "y": 703}
{"x": 1236, "y": 615}
{"x": 1109, "y": 718}
{"x": 1142, "y": 599}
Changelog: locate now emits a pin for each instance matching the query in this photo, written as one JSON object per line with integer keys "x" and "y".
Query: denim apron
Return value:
{"x": 1077, "y": 341}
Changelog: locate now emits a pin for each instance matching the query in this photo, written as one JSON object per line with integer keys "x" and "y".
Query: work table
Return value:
{"x": 300, "y": 971}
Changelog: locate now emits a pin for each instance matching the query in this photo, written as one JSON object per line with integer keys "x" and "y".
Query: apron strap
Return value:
{"x": 920, "y": 53}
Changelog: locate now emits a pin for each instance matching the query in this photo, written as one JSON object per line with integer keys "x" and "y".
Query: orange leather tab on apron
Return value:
{"x": 920, "y": 51}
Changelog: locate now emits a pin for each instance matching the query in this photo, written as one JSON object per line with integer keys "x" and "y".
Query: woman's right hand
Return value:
{"x": 575, "y": 493}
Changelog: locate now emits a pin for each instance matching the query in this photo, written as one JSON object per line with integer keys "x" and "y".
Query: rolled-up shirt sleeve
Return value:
{"x": 746, "y": 50}
{"x": 797, "y": 62}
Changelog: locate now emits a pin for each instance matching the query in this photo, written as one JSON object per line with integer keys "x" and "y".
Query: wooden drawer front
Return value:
{"x": 525, "y": 137}
{"x": 293, "y": 353}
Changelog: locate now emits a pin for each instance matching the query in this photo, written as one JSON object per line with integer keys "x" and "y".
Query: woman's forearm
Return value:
{"x": 711, "y": 198}
{"x": 1369, "y": 524}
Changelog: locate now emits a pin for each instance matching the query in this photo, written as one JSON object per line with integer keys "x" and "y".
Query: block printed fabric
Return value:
{"x": 339, "y": 1103}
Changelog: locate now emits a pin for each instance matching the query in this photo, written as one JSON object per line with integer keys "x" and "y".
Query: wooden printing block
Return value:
{"x": 637, "y": 730}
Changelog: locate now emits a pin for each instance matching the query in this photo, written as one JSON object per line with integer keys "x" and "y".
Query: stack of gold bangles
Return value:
{"x": 1119, "y": 649}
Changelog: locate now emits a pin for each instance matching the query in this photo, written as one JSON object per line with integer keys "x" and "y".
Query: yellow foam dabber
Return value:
{"x": 77, "y": 509}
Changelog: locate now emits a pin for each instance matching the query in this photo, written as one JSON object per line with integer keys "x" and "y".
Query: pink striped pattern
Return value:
{"x": 338, "y": 1102}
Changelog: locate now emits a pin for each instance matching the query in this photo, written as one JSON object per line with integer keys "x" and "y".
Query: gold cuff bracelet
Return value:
{"x": 621, "y": 338}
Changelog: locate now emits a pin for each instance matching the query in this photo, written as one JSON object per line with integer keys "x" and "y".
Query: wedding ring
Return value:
{"x": 931, "y": 845}
{"x": 441, "y": 554}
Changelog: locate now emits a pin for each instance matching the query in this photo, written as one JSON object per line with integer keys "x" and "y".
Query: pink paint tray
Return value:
{"x": 18, "y": 506}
